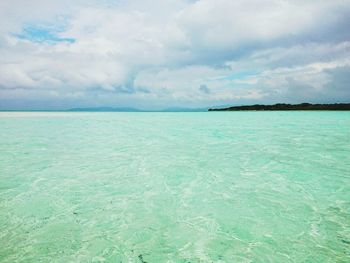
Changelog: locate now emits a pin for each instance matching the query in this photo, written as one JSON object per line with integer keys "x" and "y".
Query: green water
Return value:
{"x": 175, "y": 187}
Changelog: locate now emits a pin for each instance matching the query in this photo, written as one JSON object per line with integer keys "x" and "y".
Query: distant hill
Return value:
{"x": 285, "y": 107}
{"x": 106, "y": 109}
{"x": 127, "y": 109}
{"x": 175, "y": 109}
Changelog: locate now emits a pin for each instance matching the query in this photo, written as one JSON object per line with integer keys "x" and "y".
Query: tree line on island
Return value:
{"x": 286, "y": 107}
{"x": 256, "y": 107}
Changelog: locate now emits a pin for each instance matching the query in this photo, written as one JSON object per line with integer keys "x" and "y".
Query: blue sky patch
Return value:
{"x": 238, "y": 75}
{"x": 42, "y": 34}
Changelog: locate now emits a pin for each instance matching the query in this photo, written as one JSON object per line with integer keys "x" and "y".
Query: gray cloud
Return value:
{"x": 204, "y": 88}
{"x": 338, "y": 88}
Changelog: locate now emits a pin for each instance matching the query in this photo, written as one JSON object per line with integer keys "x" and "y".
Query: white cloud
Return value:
{"x": 156, "y": 53}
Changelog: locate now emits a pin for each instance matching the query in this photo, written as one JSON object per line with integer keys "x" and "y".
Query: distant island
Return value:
{"x": 285, "y": 107}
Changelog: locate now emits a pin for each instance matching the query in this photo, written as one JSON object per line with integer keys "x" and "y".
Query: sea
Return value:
{"x": 175, "y": 187}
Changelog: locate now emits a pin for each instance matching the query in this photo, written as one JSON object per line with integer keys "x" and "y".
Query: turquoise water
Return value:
{"x": 175, "y": 187}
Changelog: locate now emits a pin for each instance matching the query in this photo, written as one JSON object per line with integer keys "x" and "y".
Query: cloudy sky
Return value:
{"x": 155, "y": 54}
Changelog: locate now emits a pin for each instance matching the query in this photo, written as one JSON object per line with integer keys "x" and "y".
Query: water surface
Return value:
{"x": 175, "y": 187}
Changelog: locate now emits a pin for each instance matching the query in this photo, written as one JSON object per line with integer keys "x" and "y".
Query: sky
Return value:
{"x": 155, "y": 54}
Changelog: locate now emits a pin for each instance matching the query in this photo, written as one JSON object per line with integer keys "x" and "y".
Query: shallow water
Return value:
{"x": 175, "y": 187}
